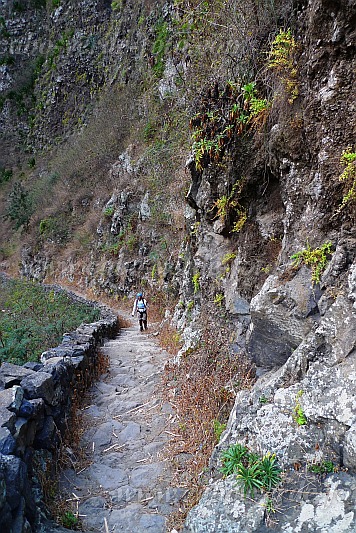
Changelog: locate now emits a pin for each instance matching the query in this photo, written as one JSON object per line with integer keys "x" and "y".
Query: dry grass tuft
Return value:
{"x": 70, "y": 453}
{"x": 202, "y": 390}
{"x": 124, "y": 322}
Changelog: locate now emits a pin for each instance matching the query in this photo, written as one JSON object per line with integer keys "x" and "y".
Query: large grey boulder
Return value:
{"x": 281, "y": 316}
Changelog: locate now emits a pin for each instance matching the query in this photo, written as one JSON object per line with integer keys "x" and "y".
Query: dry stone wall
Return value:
{"x": 35, "y": 403}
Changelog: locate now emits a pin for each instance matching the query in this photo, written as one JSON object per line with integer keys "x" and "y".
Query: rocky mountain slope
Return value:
{"x": 191, "y": 149}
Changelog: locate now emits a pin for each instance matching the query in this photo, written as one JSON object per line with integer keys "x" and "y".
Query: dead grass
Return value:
{"x": 202, "y": 389}
{"x": 70, "y": 453}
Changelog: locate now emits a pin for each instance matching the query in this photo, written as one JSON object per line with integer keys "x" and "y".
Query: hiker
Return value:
{"x": 140, "y": 306}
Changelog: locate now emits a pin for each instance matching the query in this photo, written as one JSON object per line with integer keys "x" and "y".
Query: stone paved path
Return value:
{"x": 127, "y": 486}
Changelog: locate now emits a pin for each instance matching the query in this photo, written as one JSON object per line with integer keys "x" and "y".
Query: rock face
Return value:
{"x": 34, "y": 406}
{"x": 319, "y": 380}
{"x": 299, "y": 333}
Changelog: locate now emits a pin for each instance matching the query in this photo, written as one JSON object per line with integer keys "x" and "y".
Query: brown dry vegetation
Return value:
{"x": 70, "y": 453}
{"x": 202, "y": 389}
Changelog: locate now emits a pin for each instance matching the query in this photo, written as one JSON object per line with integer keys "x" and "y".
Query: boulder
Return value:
{"x": 281, "y": 316}
{"x": 7, "y": 444}
{"x": 39, "y": 385}
{"x": 12, "y": 398}
{"x": 47, "y": 438}
{"x": 11, "y": 375}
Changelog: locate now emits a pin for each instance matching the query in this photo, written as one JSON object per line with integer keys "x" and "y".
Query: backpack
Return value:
{"x": 141, "y": 306}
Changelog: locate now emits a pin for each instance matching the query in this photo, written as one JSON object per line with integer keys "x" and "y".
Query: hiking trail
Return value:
{"x": 127, "y": 485}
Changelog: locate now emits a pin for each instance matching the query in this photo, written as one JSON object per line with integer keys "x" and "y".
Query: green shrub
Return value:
{"x": 159, "y": 48}
{"x": 19, "y": 206}
{"x": 232, "y": 458}
{"x": 281, "y": 60}
{"x": 219, "y": 428}
{"x": 69, "y": 520}
{"x": 5, "y": 175}
{"x": 34, "y": 319}
{"x": 252, "y": 472}
{"x": 109, "y": 211}
{"x": 298, "y": 413}
{"x": 316, "y": 259}
{"x": 348, "y": 159}
{"x": 323, "y": 467}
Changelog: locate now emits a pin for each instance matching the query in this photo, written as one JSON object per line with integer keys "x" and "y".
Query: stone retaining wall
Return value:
{"x": 35, "y": 403}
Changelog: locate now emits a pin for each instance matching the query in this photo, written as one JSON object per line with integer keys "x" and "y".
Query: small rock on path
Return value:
{"x": 127, "y": 486}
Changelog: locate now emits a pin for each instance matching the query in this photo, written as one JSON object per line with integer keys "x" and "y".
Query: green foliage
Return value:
{"x": 232, "y": 458}
{"x": 159, "y": 48}
{"x": 19, "y": 206}
{"x": 228, "y": 207}
{"x": 316, "y": 259}
{"x": 56, "y": 228}
{"x": 281, "y": 60}
{"x": 348, "y": 159}
{"x": 262, "y": 399}
{"x": 60, "y": 45}
{"x": 109, "y": 211}
{"x": 298, "y": 413}
{"x": 69, "y": 520}
{"x": 270, "y": 472}
{"x": 196, "y": 282}
{"x": 190, "y": 305}
{"x": 34, "y": 319}
{"x": 149, "y": 132}
{"x": 252, "y": 471}
{"x": 234, "y": 111}
{"x": 258, "y": 474}
{"x": 126, "y": 238}
{"x": 219, "y": 428}
{"x": 219, "y": 298}
{"x": 249, "y": 478}
{"x": 228, "y": 258}
{"x": 116, "y": 5}
{"x": 7, "y": 60}
{"x": 4, "y": 33}
{"x": 323, "y": 467}
{"x": 5, "y": 175}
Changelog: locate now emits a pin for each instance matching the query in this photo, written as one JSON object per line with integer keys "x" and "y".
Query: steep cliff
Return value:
{"x": 104, "y": 186}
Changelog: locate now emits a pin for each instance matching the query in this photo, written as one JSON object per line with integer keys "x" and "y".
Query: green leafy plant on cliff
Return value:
{"x": 317, "y": 259}
{"x": 159, "y": 48}
{"x": 281, "y": 61}
{"x": 348, "y": 159}
{"x": 228, "y": 206}
{"x": 232, "y": 458}
{"x": 228, "y": 258}
{"x": 219, "y": 428}
{"x": 19, "y": 206}
{"x": 116, "y": 5}
{"x": 322, "y": 467}
{"x": 298, "y": 413}
{"x": 69, "y": 520}
{"x": 196, "y": 282}
{"x": 218, "y": 299}
{"x": 233, "y": 111}
{"x": 252, "y": 471}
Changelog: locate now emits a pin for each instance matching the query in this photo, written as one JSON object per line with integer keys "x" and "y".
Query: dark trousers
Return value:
{"x": 142, "y": 319}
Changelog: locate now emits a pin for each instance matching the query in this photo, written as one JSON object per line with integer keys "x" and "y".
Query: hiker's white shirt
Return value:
{"x": 134, "y": 309}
